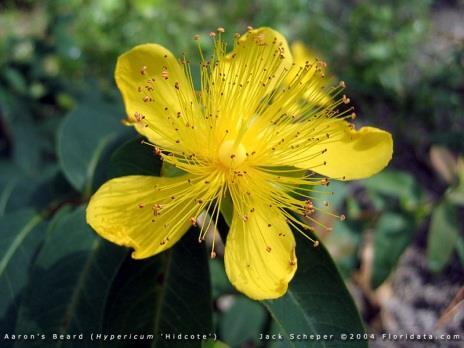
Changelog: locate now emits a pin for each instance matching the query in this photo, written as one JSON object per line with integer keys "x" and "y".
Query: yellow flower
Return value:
{"x": 315, "y": 92}
{"x": 250, "y": 132}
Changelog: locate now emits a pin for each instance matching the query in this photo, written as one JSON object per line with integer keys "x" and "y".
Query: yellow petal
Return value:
{"x": 348, "y": 154}
{"x": 244, "y": 77}
{"x": 146, "y": 213}
{"x": 154, "y": 88}
{"x": 316, "y": 93}
{"x": 259, "y": 255}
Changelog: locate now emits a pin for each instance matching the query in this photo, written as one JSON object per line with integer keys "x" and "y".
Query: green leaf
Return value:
{"x": 277, "y": 338}
{"x": 227, "y": 208}
{"x": 170, "y": 170}
{"x": 393, "y": 234}
{"x": 242, "y": 322}
{"x": 343, "y": 244}
{"x": 69, "y": 281}
{"x": 443, "y": 236}
{"x": 213, "y": 344}
{"x": 456, "y": 195}
{"x": 334, "y": 194}
{"x": 166, "y": 294}
{"x": 317, "y": 301}
{"x": 7, "y": 187}
{"x": 134, "y": 158}
{"x": 219, "y": 281}
{"x": 396, "y": 184}
{"x": 25, "y": 136}
{"x": 20, "y": 236}
{"x": 83, "y": 137}
{"x": 460, "y": 249}
{"x": 38, "y": 191}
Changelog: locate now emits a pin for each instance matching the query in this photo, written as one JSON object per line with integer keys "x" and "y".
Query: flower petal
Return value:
{"x": 259, "y": 255}
{"x": 348, "y": 154}
{"x": 146, "y": 213}
{"x": 154, "y": 88}
{"x": 316, "y": 93}
{"x": 243, "y": 78}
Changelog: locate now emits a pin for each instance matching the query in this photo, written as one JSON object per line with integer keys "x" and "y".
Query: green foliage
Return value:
{"x": 443, "y": 236}
{"x": 22, "y": 232}
{"x": 393, "y": 234}
{"x": 165, "y": 294}
{"x": 66, "y": 292}
{"x": 134, "y": 158}
{"x": 83, "y": 137}
{"x": 396, "y": 184}
{"x": 317, "y": 301}
{"x": 242, "y": 321}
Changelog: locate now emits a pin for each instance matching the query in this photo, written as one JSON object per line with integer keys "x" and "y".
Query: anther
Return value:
{"x": 342, "y": 217}
{"x": 220, "y": 29}
{"x": 143, "y": 71}
{"x": 193, "y": 221}
{"x": 157, "y": 209}
{"x": 268, "y": 249}
{"x": 346, "y": 100}
{"x": 213, "y": 254}
{"x": 316, "y": 243}
{"x": 196, "y": 37}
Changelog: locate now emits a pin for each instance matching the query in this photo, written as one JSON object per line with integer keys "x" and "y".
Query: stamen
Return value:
{"x": 251, "y": 115}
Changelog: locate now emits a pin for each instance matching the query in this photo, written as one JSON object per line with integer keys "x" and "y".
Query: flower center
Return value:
{"x": 230, "y": 154}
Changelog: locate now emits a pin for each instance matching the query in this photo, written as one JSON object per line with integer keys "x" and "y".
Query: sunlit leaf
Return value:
{"x": 343, "y": 243}
{"x": 214, "y": 344}
{"x": 443, "y": 235}
{"x": 396, "y": 184}
{"x": 392, "y": 235}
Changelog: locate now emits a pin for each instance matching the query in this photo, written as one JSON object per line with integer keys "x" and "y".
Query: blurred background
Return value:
{"x": 401, "y": 249}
